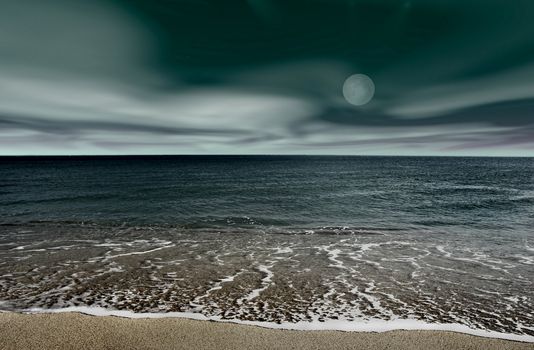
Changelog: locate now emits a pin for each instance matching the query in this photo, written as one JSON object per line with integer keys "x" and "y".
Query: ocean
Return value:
{"x": 288, "y": 241}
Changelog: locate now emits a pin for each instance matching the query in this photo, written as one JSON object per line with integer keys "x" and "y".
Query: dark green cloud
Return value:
{"x": 371, "y": 34}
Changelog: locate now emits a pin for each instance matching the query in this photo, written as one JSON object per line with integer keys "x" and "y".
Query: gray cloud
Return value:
{"x": 80, "y": 77}
{"x": 516, "y": 113}
{"x": 78, "y": 127}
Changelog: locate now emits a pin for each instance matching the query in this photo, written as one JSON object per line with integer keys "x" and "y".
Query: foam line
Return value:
{"x": 108, "y": 257}
{"x": 265, "y": 282}
{"x": 373, "y": 325}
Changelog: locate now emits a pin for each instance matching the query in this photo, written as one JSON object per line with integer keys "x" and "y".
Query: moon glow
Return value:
{"x": 358, "y": 89}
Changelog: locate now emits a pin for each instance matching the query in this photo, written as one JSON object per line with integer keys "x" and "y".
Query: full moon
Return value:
{"x": 358, "y": 89}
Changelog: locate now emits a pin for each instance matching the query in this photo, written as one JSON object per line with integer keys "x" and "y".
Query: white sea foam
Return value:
{"x": 283, "y": 250}
{"x": 514, "y": 299}
{"x": 265, "y": 282}
{"x": 527, "y": 260}
{"x": 368, "y": 246}
{"x": 333, "y": 255}
{"x": 166, "y": 245}
{"x": 218, "y": 285}
{"x": 363, "y": 325}
{"x": 107, "y": 245}
{"x": 442, "y": 250}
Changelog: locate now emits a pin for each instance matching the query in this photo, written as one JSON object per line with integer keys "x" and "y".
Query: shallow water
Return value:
{"x": 284, "y": 240}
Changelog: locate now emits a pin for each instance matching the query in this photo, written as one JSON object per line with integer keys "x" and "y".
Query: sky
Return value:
{"x": 451, "y": 77}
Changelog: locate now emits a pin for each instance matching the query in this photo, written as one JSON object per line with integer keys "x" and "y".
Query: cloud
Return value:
{"x": 48, "y": 115}
{"x": 512, "y": 85}
{"x": 80, "y": 77}
{"x": 100, "y": 117}
{"x": 82, "y": 38}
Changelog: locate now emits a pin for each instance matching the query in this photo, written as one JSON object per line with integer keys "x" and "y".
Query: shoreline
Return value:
{"x": 356, "y": 326}
{"x": 74, "y": 330}
{"x": 361, "y": 326}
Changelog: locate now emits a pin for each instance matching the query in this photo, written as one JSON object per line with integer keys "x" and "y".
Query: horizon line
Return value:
{"x": 251, "y": 155}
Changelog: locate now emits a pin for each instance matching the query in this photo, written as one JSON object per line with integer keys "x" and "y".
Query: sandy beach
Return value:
{"x": 78, "y": 331}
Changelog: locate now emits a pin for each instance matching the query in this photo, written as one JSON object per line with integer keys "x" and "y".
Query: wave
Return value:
{"x": 226, "y": 225}
{"x": 66, "y": 199}
{"x": 492, "y": 203}
{"x": 363, "y": 325}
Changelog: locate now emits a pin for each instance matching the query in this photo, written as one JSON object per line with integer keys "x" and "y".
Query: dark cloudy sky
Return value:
{"x": 452, "y": 77}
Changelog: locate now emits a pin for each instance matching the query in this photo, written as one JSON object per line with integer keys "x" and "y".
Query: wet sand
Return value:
{"x": 323, "y": 274}
{"x": 77, "y": 331}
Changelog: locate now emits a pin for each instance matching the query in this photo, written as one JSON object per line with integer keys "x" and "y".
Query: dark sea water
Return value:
{"x": 274, "y": 239}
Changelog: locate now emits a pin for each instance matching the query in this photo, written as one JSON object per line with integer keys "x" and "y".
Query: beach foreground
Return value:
{"x": 78, "y": 331}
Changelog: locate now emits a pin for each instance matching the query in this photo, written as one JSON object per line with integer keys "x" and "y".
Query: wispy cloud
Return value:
{"x": 98, "y": 78}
